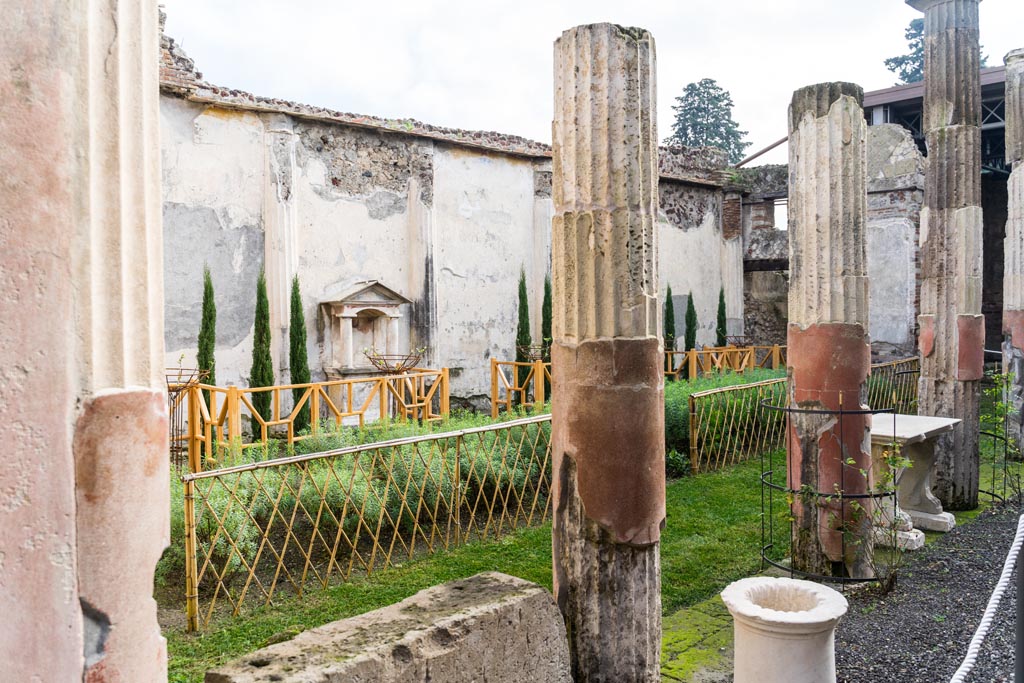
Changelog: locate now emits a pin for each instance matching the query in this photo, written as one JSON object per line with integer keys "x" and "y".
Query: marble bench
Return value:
{"x": 915, "y": 435}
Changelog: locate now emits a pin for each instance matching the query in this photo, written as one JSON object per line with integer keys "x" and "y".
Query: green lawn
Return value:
{"x": 711, "y": 538}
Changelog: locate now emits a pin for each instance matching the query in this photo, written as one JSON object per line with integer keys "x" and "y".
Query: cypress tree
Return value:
{"x": 298, "y": 361}
{"x": 545, "y": 330}
{"x": 205, "y": 359}
{"x": 670, "y": 321}
{"x": 523, "y": 340}
{"x": 720, "y": 329}
{"x": 691, "y": 324}
{"x": 262, "y": 372}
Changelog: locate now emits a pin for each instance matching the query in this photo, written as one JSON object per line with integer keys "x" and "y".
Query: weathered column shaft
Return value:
{"x": 84, "y": 498}
{"x": 951, "y": 328}
{"x": 1013, "y": 245}
{"x": 608, "y": 412}
{"x": 829, "y": 353}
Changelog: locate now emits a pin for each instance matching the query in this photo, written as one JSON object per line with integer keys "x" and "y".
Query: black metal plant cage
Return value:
{"x": 770, "y": 487}
{"x": 1000, "y": 440}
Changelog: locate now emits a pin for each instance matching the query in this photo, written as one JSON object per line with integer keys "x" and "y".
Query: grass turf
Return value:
{"x": 711, "y": 538}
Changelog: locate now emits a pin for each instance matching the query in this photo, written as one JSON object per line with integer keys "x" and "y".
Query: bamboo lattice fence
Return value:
{"x": 730, "y": 424}
{"x": 291, "y": 525}
{"x": 215, "y": 414}
{"x": 697, "y": 362}
{"x": 180, "y": 382}
{"x": 513, "y": 381}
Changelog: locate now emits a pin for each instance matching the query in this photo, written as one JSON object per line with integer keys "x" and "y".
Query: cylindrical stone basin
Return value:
{"x": 784, "y": 630}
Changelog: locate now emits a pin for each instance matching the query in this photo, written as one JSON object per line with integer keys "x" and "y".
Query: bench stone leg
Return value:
{"x": 892, "y": 523}
{"x": 915, "y": 490}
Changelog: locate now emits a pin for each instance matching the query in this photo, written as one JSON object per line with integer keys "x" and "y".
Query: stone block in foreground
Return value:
{"x": 490, "y": 627}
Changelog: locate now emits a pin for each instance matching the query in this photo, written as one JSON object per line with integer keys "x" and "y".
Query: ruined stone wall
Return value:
{"x": 447, "y": 228}
{"x": 895, "y": 175}
{"x": 695, "y": 256}
{"x": 446, "y": 225}
{"x": 766, "y": 306}
{"x": 895, "y": 187}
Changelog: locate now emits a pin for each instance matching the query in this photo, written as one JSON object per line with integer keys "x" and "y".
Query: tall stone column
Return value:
{"x": 1013, "y": 245}
{"x": 951, "y": 328}
{"x": 84, "y": 490}
{"x": 829, "y": 350}
{"x": 608, "y": 411}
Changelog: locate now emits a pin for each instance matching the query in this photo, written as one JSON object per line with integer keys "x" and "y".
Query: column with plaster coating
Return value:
{"x": 829, "y": 354}
{"x": 345, "y": 328}
{"x": 951, "y": 334}
{"x": 84, "y": 497}
{"x": 608, "y": 410}
{"x": 1013, "y": 245}
{"x": 280, "y": 220}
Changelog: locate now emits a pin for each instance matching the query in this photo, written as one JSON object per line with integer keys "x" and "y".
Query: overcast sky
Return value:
{"x": 485, "y": 65}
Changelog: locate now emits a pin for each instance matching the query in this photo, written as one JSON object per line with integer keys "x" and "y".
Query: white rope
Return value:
{"x": 993, "y": 605}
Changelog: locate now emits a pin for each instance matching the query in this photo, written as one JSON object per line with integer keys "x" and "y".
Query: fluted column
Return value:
{"x": 608, "y": 411}
{"x": 829, "y": 353}
{"x": 1013, "y": 246}
{"x": 951, "y": 327}
{"x": 84, "y": 491}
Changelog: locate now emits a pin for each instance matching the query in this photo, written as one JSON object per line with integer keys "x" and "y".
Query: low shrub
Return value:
{"x": 677, "y": 403}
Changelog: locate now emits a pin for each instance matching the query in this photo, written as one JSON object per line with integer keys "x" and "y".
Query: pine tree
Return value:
{"x": 910, "y": 67}
{"x": 721, "y": 330}
{"x": 691, "y": 324}
{"x": 545, "y": 330}
{"x": 298, "y": 361}
{"x": 523, "y": 340}
{"x": 670, "y": 321}
{"x": 205, "y": 358}
{"x": 704, "y": 119}
{"x": 262, "y": 372}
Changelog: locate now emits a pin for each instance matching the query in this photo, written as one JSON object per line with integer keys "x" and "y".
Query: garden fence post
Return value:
{"x": 776, "y": 357}
{"x": 191, "y": 580}
{"x": 460, "y": 492}
{"x": 314, "y": 409}
{"x": 446, "y": 406}
{"x": 193, "y": 429}
{"x": 234, "y": 414}
{"x": 494, "y": 388}
{"x": 694, "y": 464}
{"x": 538, "y": 384}
{"x": 691, "y": 362}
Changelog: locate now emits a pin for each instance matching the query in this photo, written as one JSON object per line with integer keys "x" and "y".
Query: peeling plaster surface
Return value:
{"x": 694, "y": 257}
{"x": 448, "y": 227}
{"x": 484, "y": 215}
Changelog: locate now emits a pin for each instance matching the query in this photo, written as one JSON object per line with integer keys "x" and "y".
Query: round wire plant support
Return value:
{"x": 996, "y": 386}
{"x": 788, "y": 495}
{"x": 392, "y": 363}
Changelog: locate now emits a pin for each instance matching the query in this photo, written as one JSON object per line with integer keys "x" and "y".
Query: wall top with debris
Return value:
{"x": 178, "y": 77}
